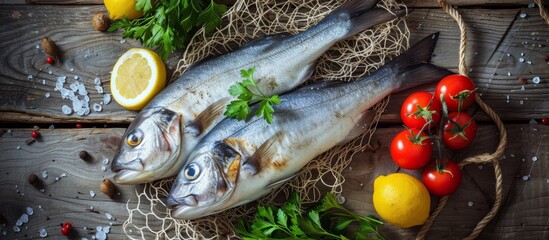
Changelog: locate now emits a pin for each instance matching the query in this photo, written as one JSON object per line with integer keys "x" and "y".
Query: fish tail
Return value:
{"x": 363, "y": 16}
{"x": 412, "y": 68}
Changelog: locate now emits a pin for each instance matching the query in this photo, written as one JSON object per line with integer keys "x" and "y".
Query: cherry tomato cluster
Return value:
{"x": 438, "y": 118}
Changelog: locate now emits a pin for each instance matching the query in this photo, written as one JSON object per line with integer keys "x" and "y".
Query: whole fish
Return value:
{"x": 240, "y": 161}
{"x": 160, "y": 139}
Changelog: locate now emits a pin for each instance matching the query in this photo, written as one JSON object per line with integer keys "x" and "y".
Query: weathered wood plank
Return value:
{"x": 524, "y": 213}
{"x": 492, "y": 34}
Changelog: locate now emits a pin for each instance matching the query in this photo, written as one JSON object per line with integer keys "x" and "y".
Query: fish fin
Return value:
{"x": 363, "y": 16}
{"x": 280, "y": 182}
{"x": 208, "y": 118}
{"x": 234, "y": 169}
{"x": 361, "y": 126}
{"x": 412, "y": 67}
{"x": 264, "y": 155}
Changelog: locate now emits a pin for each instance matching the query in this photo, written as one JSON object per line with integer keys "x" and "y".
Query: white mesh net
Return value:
{"x": 349, "y": 59}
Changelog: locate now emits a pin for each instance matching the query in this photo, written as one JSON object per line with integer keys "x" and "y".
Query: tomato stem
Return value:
{"x": 438, "y": 162}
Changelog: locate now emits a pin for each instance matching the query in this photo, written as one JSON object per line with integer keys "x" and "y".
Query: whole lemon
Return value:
{"x": 401, "y": 200}
{"x": 119, "y": 8}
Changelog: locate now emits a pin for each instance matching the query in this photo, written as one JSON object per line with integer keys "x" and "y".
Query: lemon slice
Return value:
{"x": 138, "y": 75}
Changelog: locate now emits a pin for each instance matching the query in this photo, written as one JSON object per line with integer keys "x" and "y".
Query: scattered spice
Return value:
{"x": 78, "y": 125}
{"x": 107, "y": 187}
{"x": 85, "y": 156}
{"x": 66, "y": 228}
{"x": 35, "y": 134}
{"x": 100, "y": 22}
{"x": 50, "y": 48}
{"x": 522, "y": 80}
{"x": 34, "y": 180}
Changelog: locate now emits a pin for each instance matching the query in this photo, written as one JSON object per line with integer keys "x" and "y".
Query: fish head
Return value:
{"x": 149, "y": 148}
{"x": 204, "y": 186}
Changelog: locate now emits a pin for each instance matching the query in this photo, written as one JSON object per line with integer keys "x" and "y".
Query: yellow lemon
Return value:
{"x": 119, "y": 8}
{"x": 138, "y": 75}
{"x": 401, "y": 200}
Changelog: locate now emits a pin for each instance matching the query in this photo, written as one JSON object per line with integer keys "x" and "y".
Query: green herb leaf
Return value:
{"x": 169, "y": 25}
{"x": 242, "y": 91}
{"x": 312, "y": 224}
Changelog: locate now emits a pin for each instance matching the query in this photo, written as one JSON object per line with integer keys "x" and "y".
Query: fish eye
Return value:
{"x": 192, "y": 171}
{"x": 134, "y": 138}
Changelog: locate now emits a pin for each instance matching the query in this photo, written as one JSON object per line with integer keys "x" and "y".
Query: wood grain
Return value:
{"x": 523, "y": 215}
{"x": 492, "y": 35}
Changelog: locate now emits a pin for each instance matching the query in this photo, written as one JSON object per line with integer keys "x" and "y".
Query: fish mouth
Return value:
{"x": 135, "y": 165}
{"x": 128, "y": 176}
{"x": 188, "y": 201}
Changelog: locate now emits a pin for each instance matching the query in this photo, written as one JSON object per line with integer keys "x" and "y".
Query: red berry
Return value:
{"x": 545, "y": 121}
{"x": 66, "y": 228}
{"x": 35, "y": 134}
{"x": 78, "y": 125}
{"x": 49, "y": 60}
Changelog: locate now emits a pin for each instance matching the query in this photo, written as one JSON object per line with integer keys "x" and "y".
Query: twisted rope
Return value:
{"x": 482, "y": 158}
{"x": 542, "y": 11}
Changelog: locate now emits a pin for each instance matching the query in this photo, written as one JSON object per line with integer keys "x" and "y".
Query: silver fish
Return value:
{"x": 240, "y": 161}
{"x": 160, "y": 139}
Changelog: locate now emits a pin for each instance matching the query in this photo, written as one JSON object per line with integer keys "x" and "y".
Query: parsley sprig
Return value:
{"x": 240, "y": 108}
{"x": 167, "y": 25}
{"x": 327, "y": 220}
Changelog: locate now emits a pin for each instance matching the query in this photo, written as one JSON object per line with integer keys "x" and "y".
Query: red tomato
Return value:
{"x": 545, "y": 121}
{"x": 444, "y": 182}
{"x": 457, "y": 137}
{"x": 410, "y": 149}
{"x": 418, "y": 108}
{"x": 457, "y": 89}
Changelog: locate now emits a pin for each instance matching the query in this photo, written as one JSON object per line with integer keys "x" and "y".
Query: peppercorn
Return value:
{"x": 85, "y": 156}
{"x": 522, "y": 80}
{"x": 34, "y": 180}
{"x": 100, "y": 22}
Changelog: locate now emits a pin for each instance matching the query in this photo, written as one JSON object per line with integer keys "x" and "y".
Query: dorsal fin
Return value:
{"x": 264, "y": 155}
{"x": 208, "y": 118}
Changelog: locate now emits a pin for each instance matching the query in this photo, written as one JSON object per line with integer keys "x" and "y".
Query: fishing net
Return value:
{"x": 348, "y": 60}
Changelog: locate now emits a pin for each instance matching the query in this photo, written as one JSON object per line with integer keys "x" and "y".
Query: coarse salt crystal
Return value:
{"x": 105, "y": 161}
{"x": 522, "y": 15}
{"x": 92, "y": 193}
{"x": 122, "y": 41}
{"x": 107, "y": 98}
{"x": 101, "y": 235}
{"x": 16, "y": 229}
{"x": 534, "y": 158}
{"x": 97, "y": 107}
{"x": 47, "y": 95}
{"x": 470, "y": 203}
{"x": 87, "y": 110}
{"x": 19, "y": 223}
{"x": 50, "y": 72}
{"x": 107, "y": 229}
{"x": 536, "y": 80}
{"x": 30, "y": 211}
{"x": 522, "y": 88}
{"x": 99, "y": 89}
{"x": 66, "y": 110}
{"x": 521, "y": 60}
{"x": 43, "y": 81}
{"x": 81, "y": 112}
{"x": 30, "y": 76}
{"x": 43, "y": 233}
{"x": 75, "y": 77}
{"x": 97, "y": 81}
{"x": 108, "y": 215}
{"x": 45, "y": 174}
{"x": 24, "y": 218}
{"x": 18, "y": 147}
{"x": 103, "y": 168}
{"x": 525, "y": 177}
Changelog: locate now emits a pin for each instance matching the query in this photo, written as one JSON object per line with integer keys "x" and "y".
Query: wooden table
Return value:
{"x": 498, "y": 37}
